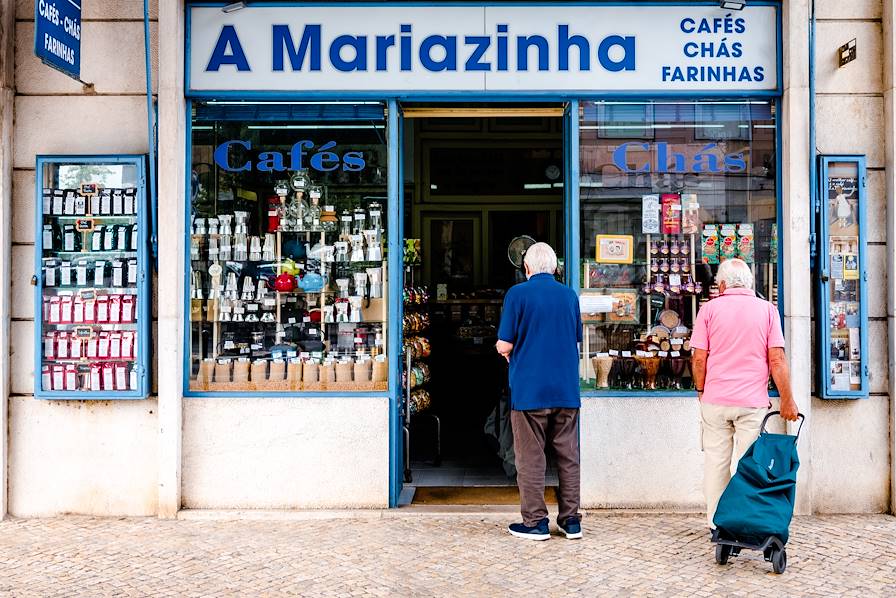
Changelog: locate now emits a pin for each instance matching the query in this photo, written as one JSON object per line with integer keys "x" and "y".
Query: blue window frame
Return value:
{"x": 92, "y": 299}
{"x": 842, "y": 305}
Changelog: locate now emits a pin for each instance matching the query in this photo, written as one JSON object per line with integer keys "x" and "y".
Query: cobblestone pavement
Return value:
{"x": 401, "y": 554}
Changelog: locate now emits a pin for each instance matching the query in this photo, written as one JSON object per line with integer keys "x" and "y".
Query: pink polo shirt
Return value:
{"x": 737, "y": 329}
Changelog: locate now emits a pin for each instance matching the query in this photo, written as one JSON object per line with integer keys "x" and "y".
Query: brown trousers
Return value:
{"x": 532, "y": 431}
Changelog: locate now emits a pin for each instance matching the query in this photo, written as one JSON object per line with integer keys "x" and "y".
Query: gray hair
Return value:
{"x": 735, "y": 273}
{"x": 541, "y": 259}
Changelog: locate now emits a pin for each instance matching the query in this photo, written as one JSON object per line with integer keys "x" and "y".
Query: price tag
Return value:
{"x": 477, "y": 340}
{"x": 228, "y": 345}
{"x": 270, "y": 302}
{"x": 675, "y": 354}
{"x": 256, "y": 347}
{"x": 277, "y": 354}
{"x": 663, "y": 354}
{"x": 317, "y": 354}
{"x": 312, "y": 331}
{"x": 614, "y": 352}
{"x": 304, "y": 355}
{"x": 291, "y": 353}
{"x": 252, "y": 306}
{"x": 601, "y": 354}
{"x": 626, "y": 353}
{"x": 84, "y": 225}
{"x": 291, "y": 321}
{"x": 305, "y": 319}
{"x": 677, "y": 342}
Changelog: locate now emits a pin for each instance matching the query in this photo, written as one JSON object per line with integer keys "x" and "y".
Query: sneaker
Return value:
{"x": 536, "y": 532}
{"x": 571, "y": 527}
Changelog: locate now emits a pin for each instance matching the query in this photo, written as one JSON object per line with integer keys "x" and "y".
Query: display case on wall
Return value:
{"x": 288, "y": 284}
{"x": 92, "y": 301}
{"x": 842, "y": 312}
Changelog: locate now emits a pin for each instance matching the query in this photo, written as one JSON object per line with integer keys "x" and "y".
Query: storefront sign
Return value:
{"x": 303, "y": 154}
{"x": 352, "y": 47}
{"x": 57, "y": 35}
{"x": 663, "y": 157}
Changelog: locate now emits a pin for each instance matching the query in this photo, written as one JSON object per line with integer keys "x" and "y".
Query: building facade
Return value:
{"x": 197, "y": 442}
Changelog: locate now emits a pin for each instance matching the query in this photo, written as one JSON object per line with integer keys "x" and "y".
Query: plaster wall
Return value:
{"x": 850, "y": 442}
{"x": 87, "y": 457}
{"x": 260, "y": 453}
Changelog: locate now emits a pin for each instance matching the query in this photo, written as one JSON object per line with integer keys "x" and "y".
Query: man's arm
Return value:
{"x": 504, "y": 348}
{"x": 777, "y": 363}
{"x": 698, "y": 369}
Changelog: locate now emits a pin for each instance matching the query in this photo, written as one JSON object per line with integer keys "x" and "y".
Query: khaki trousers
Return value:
{"x": 726, "y": 433}
{"x": 532, "y": 431}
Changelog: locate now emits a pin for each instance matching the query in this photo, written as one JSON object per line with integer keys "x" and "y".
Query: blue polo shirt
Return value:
{"x": 541, "y": 318}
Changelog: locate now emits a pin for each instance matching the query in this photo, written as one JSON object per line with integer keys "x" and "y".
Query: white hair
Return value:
{"x": 735, "y": 273}
{"x": 541, "y": 259}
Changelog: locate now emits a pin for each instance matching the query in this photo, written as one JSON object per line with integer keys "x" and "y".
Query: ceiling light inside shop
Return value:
{"x": 733, "y": 4}
{"x": 234, "y": 7}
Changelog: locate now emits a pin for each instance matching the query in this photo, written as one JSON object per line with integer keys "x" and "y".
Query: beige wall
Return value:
{"x": 93, "y": 457}
{"x": 111, "y": 458}
{"x": 850, "y": 439}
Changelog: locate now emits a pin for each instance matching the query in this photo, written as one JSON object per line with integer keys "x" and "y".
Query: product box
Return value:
{"x": 745, "y": 243}
{"x": 710, "y": 244}
{"x": 690, "y": 214}
{"x": 650, "y": 214}
{"x": 671, "y": 213}
{"x": 727, "y": 242}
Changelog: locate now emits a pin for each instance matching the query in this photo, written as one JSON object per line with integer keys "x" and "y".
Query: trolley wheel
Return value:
{"x": 723, "y": 551}
{"x": 779, "y": 561}
{"x": 408, "y": 478}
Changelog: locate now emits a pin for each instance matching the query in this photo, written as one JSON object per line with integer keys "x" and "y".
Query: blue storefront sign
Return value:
{"x": 57, "y": 35}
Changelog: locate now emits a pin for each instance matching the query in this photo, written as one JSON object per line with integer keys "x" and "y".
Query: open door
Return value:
{"x": 398, "y": 431}
{"x": 571, "y": 191}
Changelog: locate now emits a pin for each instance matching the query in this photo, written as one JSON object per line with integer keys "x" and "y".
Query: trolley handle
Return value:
{"x": 800, "y": 416}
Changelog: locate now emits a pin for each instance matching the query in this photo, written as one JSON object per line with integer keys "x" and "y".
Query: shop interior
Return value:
{"x": 481, "y": 184}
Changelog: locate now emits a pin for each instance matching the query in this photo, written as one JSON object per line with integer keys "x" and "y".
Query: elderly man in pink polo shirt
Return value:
{"x": 737, "y": 343}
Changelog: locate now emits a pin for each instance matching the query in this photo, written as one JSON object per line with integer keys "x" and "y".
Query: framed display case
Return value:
{"x": 288, "y": 279}
{"x": 843, "y": 334}
{"x": 91, "y": 298}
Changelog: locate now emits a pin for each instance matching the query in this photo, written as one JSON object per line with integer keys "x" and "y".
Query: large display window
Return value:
{"x": 287, "y": 228}
{"x": 668, "y": 190}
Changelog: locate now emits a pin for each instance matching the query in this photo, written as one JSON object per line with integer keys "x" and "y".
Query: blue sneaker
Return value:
{"x": 536, "y": 532}
{"x": 571, "y": 527}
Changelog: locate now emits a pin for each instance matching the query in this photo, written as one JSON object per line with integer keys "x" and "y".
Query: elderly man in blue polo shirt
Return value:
{"x": 540, "y": 328}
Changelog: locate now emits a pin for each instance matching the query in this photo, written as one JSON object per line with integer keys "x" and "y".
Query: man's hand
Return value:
{"x": 504, "y": 348}
{"x": 789, "y": 410}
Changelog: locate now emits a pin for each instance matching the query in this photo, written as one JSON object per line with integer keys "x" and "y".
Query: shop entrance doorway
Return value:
{"x": 475, "y": 178}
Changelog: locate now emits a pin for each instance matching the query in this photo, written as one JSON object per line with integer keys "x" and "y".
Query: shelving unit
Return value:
{"x": 298, "y": 318}
{"x": 415, "y": 398}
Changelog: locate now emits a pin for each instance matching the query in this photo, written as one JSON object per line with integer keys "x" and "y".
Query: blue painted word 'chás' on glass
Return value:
{"x": 709, "y": 159}
{"x": 302, "y": 155}
{"x": 435, "y": 53}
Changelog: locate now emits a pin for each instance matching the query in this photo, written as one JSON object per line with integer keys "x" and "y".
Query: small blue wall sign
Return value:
{"x": 57, "y": 35}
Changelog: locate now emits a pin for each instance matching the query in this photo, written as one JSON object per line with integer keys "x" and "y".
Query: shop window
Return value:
{"x": 287, "y": 231}
{"x": 692, "y": 185}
